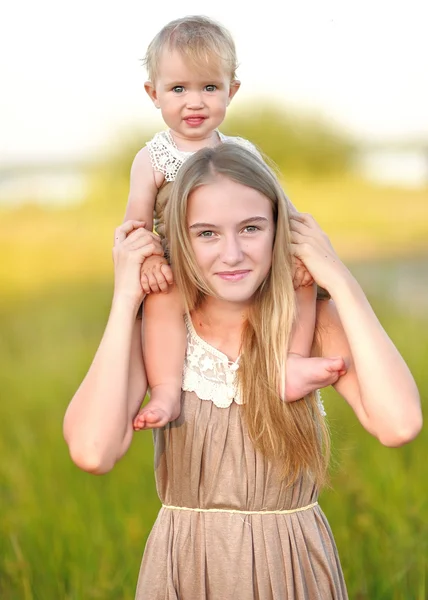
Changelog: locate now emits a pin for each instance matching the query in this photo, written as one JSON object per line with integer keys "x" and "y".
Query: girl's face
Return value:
{"x": 232, "y": 231}
{"x": 193, "y": 104}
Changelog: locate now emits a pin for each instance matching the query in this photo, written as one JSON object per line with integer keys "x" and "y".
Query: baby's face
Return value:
{"x": 193, "y": 102}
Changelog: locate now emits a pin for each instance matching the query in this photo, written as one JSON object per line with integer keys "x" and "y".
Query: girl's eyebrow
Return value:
{"x": 244, "y": 222}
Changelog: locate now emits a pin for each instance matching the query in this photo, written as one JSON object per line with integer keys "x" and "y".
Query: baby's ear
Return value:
{"x": 235, "y": 84}
{"x": 151, "y": 92}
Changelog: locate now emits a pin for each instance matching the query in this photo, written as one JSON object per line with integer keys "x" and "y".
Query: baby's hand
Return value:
{"x": 156, "y": 274}
{"x": 301, "y": 276}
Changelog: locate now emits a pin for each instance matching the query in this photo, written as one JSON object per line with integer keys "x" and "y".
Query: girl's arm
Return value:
{"x": 98, "y": 421}
{"x": 378, "y": 384}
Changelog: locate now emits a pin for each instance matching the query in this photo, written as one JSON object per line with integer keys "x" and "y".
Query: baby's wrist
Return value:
{"x": 307, "y": 292}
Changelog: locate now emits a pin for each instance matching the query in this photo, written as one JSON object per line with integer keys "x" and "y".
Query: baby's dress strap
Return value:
{"x": 165, "y": 156}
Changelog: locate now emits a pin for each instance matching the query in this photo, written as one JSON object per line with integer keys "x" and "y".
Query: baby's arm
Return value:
{"x": 303, "y": 333}
{"x": 156, "y": 274}
{"x": 142, "y": 190}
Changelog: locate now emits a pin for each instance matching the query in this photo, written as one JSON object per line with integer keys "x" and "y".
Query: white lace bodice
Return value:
{"x": 210, "y": 374}
{"x": 167, "y": 158}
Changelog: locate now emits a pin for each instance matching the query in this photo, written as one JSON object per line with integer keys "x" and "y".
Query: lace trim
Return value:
{"x": 209, "y": 372}
{"x": 211, "y": 375}
{"x": 167, "y": 158}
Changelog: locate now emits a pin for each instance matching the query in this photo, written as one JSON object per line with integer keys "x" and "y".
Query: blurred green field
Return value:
{"x": 363, "y": 221}
{"x": 67, "y": 535}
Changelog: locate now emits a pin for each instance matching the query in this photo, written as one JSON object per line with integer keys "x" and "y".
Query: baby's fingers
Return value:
{"x": 160, "y": 279}
{"x": 154, "y": 287}
{"x": 167, "y": 273}
{"x": 298, "y": 277}
{"x": 145, "y": 283}
{"x": 307, "y": 279}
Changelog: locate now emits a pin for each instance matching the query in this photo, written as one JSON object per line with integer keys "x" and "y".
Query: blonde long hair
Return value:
{"x": 293, "y": 435}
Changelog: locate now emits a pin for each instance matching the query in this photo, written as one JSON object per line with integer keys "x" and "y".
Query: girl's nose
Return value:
{"x": 232, "y": 251}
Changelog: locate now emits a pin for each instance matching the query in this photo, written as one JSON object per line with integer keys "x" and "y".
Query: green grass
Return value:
{"x": 67, "y": 535}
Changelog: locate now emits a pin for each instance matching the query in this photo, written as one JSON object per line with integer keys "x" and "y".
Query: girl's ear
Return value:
{"x": 235, "y": 84}
{"x": 151, "y": 92}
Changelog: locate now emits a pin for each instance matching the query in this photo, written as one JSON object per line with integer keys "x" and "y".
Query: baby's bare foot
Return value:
{"x": 163, "y": 407}
{"x": 305, "y": 375}
{"x": 149, "y": 418}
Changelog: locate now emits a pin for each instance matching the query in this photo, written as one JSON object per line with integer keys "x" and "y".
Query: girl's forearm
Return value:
{"x": 388, "y": 393}
{"x": 97, "y": 421}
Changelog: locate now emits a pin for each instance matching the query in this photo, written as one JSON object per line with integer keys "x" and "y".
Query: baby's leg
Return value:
{"x": 164, "y": 347}
{"x": 303, "y": 373}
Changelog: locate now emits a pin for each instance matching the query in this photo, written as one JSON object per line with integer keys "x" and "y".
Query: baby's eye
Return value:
{"x": 210, "y": 88}
{"x": 178, "y": 89}
{"x": 206, "y": 234}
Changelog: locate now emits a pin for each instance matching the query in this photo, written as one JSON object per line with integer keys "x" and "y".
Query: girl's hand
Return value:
{"x": 132, "y": 245}
{"x": 312, "y": 246}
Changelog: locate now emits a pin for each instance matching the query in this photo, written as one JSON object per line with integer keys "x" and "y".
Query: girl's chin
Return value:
{"x": 235, "y": 298}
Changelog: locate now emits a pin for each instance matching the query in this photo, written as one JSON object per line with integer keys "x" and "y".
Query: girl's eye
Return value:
{"x": 210, "y": 88}
{"x": 178, "y": 89}
{"x": 206, "y": 234}
{"x": 251, "y": 228}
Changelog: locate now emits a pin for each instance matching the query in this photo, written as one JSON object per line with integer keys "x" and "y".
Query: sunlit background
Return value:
{"x": 336, "y": 94}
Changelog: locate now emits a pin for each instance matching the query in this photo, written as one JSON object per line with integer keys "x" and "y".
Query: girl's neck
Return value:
{"x": 221, "y": 313}
{"x": 184, "y": 144}
{"x": 220, "y": 324}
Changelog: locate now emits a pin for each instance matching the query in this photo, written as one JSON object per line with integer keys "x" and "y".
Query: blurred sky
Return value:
{"x": 71, "y": 78}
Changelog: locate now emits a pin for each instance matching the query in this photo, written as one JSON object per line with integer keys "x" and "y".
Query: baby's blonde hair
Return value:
{"x": 203, "y": 43}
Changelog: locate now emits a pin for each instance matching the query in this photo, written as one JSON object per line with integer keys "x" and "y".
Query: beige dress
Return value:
{"x": 228, "y": 528}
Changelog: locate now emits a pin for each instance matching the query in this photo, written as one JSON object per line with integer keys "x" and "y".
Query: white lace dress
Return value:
{"x": 228, "y": 528}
